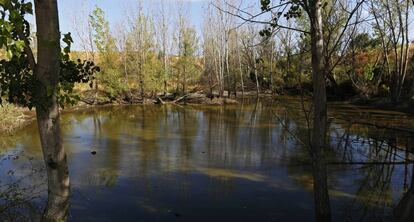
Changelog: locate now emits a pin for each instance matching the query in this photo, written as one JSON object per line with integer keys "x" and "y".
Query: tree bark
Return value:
{"x": 184, "y": 79}
{"x": 271, "y": 68}
{"x": 228, "y": 69}
{"x": 255, "y": 73}
{"x": 240, "y": 66}
{"x": 47, "y": 110}
{"x": 321, "y": 196}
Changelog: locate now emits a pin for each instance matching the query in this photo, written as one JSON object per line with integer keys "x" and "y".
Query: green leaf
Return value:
{"x": 20, "y": 45}
{"x": 67, "y": 38}
{"x": 9, "y": 54}
{"x": 28, "y": 7}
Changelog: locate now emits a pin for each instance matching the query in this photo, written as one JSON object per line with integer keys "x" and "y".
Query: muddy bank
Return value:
{"x": 91, "y": 98}
{"x": 14, "y": 118}
{"x": 384, "y": 104}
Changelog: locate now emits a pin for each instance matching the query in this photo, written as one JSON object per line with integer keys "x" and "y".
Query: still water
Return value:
{"x": 244, "y": 162}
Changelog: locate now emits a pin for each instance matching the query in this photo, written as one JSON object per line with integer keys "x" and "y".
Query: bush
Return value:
{"x": 112, "y": 82}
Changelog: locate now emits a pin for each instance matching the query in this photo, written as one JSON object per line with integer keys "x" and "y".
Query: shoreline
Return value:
{"x": 16, "y": 118}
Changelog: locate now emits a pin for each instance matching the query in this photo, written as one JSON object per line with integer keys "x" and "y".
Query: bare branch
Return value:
{"x": 252, "y": 19}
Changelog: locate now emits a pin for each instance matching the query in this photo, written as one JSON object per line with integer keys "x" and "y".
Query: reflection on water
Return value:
{"x": 235, "y": 163}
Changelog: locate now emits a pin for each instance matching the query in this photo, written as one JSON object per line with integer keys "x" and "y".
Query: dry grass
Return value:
{"x": 12, "y": 118}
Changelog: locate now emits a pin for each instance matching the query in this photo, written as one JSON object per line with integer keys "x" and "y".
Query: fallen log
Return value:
{"x": 160, "y": 101}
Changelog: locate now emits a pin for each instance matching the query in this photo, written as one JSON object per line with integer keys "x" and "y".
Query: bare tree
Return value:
{"x": 164, "y": 44}
{"x": 314, "y": 12}
{"x": 222, "y": 38}
{"x": 250, "y": 42}
{"x": 209, "y": 51}
{"x": 391, "y": 22}
{"x": 239, "y": 58}
{"x": 122, "y": 44}
{"x": 84, "y": 31}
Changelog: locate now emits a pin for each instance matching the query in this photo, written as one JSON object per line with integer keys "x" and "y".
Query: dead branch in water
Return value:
{"x": 160, "y": 101}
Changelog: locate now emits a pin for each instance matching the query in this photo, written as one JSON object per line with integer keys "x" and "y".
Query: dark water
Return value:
{"x": 195, "y": 163}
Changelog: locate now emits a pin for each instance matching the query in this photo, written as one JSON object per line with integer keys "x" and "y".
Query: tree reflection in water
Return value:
{"x": 404, "y": 211}
{"x": 158, "y": 161}
{"x": 22, "y": 187}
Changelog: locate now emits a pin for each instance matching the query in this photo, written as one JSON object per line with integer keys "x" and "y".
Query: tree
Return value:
{"x": 83, "y": 30}
{"x": 47, "y": 112}
{"x": 323, "y": 211}
{"x": 212, "y": 51}
{"x": 45, "y": 83}
{"x": 186, "y": 63}
{"x": 107, "y": 55}
{"x": 209, "y": 52}
{"x": 164, "y": 43}
{"x": 313, "y": 9}
{"x": 392, "y": 24}
{"x": 187, "y": 46}
{"x": 220, "y": 38}
{"x": 122, "y": 43}
{"x": 141, "y": 43}
{"x": 239, "y": 61}
{"x": 102, "y": 37}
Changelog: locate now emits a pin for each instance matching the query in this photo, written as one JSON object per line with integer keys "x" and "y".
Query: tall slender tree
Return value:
{"x": 313, "y": 10}
{"x": 164, "y": 43}
{"x": 141, "y": 44}
{"x": 47, "y": 112}
{"x": 40, "y": 83}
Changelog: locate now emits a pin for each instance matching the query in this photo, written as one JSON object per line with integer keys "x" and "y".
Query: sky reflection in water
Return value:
{"x": 235, "y": 163}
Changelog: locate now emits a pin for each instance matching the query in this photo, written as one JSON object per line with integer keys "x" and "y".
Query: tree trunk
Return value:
{"x": 184, "y": 81}
{"x": 271, "y": 69}
{"x": 165, "y": 73}
{"x": 47, "y": 109}
{"x": 228, "y": 73}
{"x": 164, "y": 49}
{"x": 235, "y": 84}
{"x": 255, "y": 74}
{"x": 141, "y": 79}
{"x": 221, "y": 83}
{"x": 241, "y": 70}
{"x": 404, "y": 211}
{"x": 322, "y": 207}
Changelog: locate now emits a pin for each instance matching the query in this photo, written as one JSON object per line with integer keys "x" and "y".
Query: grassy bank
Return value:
{"x": 13, "y": 118}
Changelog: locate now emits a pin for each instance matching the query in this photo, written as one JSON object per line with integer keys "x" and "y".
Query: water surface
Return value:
{"x": 194, "y": 163}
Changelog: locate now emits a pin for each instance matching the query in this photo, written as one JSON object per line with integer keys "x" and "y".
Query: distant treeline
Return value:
{"x": 162, "y": 52}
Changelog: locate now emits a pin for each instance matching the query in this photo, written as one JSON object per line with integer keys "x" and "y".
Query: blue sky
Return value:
{"x": 115, "y": 11}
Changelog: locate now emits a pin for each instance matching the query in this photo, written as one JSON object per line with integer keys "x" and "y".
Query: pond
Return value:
{"x": 244, "y": 162}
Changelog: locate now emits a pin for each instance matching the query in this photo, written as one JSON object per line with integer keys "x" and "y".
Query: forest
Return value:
{"x": 367, "y": 52}
{"x": 183, "y": 109}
